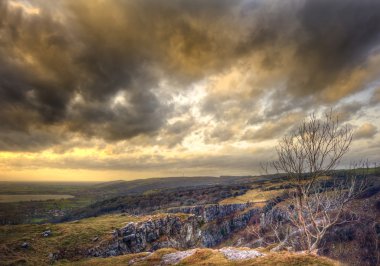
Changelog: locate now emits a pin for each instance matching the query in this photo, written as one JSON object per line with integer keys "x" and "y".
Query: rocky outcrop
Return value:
{"x": 214, "y": 233}
{"x": 207, "y": 226}
{"x": 169, "y": 231}
{"x": 211, "y": 212}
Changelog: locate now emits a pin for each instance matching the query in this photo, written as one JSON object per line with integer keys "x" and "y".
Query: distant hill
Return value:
{"x": 140, "y": 186}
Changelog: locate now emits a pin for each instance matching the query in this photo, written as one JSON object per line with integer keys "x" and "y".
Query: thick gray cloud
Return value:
{"x": 375, "y": 99}
{"x": 347, "y": 111}
{"x": 365, "y": 131}
{"x": 274, "y": 128}
{"x": 95, "y": 52}
{"x": 96, "y": 69}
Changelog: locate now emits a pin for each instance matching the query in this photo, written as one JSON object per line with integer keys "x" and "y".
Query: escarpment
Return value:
{"x": 202, "y": 226}
{"x": 211, "y": 212}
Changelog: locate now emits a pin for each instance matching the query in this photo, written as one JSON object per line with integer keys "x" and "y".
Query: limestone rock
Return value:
{"x": 239, "y": 254}
{"x": 206, "y": 227}
{"x": 174, "y": 258}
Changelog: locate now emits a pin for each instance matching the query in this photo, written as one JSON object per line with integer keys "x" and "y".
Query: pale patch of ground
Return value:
{"x": 253, "y": 195}
{"x": 174, "y": 258}
{"x": 240, "y": 254}
{"x": 229, "y": 253}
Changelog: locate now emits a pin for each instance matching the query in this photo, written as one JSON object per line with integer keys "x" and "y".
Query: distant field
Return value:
{"x": 31, "y": 197}
{"x": 44, "y": 188}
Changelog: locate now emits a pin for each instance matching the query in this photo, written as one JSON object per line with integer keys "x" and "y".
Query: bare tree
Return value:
{"x": 306, "y": 155}
{"x": 272, "y": 228}
{"x": 313, "y": 150}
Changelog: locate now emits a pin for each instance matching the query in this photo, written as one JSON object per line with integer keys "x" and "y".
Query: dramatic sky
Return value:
{"x": 126, "y": 89}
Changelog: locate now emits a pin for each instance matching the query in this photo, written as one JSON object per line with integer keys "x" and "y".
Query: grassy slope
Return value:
{"x": 88, "y": 193}
{"x": 253, "y": 195}
{"x": 71, "y": 237}
{"x": 140, "y": 186}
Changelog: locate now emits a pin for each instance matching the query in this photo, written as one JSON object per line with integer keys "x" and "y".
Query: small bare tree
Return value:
{"x": 272, "y": 228}
{"x": 306, "y": 155}
{"x": 313, "y": 150}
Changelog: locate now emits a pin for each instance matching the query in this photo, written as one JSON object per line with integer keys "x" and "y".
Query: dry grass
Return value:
{"x": 119, "y": 260}
{"x": 205, "y": 257}
{"x": 210, "y": 257}
{"x": 155, "y": 258}
{"x": 286, "y": 259}
{"x": 140, "y": 259}
{"x": 253, "y": 195}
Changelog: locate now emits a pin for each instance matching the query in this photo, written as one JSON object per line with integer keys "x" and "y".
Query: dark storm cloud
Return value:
{"x": 63, "y": 68}
{"x": 32, "y": 96}
{"x": 322, "y": 51}
{"x": 176, "y": 132}
{"x": 335, "y": 37}
{"x": 94, "y": 50}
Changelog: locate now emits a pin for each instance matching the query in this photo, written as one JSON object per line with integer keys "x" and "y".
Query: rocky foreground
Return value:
{"x": 201, "y": 226}
{"x": 225, "y": 256}
{"x": 182, "y": 228}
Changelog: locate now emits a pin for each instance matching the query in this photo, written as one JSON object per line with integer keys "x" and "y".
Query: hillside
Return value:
{"x": 68, "y": 243}
{"x": 204, "y": 230}
{"x": 88, "y": 197}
